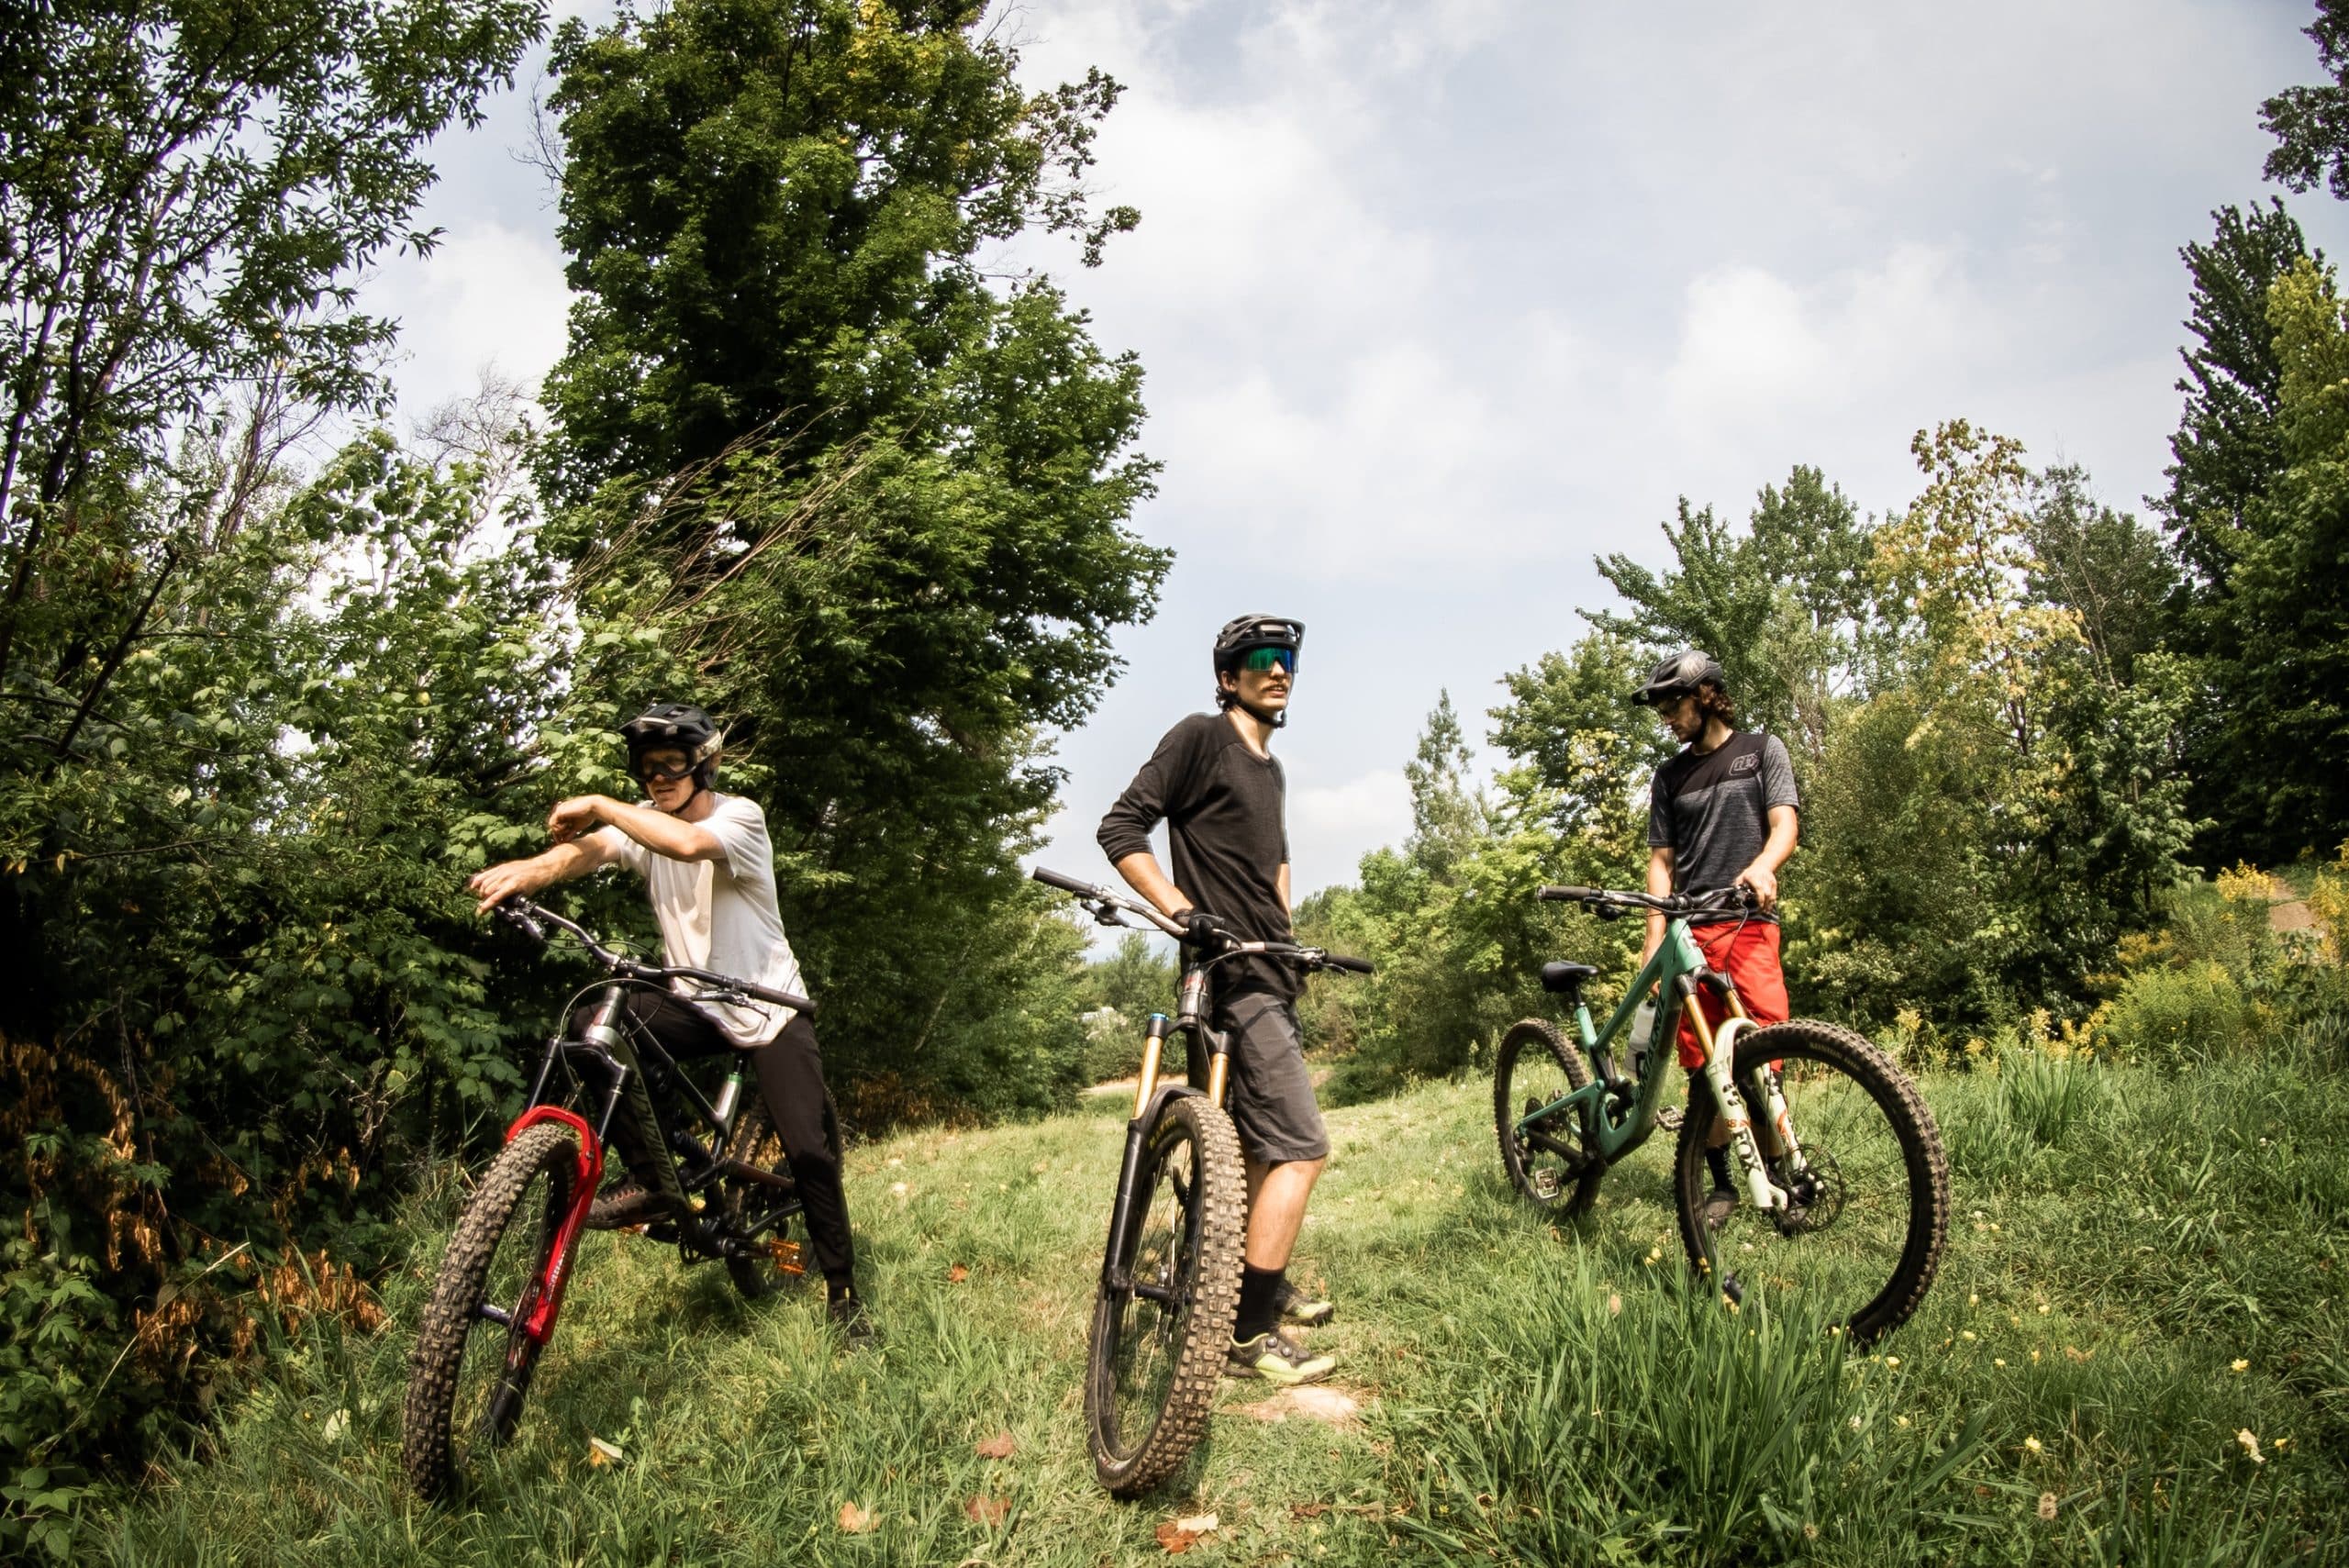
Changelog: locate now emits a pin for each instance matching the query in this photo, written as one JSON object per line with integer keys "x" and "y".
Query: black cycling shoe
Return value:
{"x": 625, "y": 1205}
{"x": 1717, "y": 1207}
{"x": 1277, "y": 1358}
{"x": 1305, "y": 1311}
{"x": 848, "y": 1315}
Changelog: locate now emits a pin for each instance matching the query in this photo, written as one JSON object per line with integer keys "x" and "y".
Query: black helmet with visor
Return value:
{"x": 674, "y": 727}
{"x": 1256, "y": 642}
{"x": 1679, "y": 677}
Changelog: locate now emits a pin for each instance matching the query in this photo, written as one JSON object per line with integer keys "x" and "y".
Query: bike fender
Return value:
{"x": 1158, "y": 1102}
{"x": 546, "y": 1304}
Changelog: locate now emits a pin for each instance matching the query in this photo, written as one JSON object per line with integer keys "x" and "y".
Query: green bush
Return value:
{"x": 2181, "y": 1014}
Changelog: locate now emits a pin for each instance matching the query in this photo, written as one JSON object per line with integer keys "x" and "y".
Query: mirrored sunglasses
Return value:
{"x": 1260, "y": 660}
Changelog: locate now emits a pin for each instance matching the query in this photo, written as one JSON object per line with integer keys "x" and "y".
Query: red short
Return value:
{"x": 1748, "y": 954}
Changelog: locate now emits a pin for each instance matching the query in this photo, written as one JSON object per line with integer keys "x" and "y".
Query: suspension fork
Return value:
{"x": 1721, "y": 1054}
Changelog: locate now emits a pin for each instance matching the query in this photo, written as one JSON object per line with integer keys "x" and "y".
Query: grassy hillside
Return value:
{"x": 2144, "y": 1265}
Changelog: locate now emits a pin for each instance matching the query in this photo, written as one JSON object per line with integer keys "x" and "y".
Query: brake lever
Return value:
{"x": 1605, "y": 912}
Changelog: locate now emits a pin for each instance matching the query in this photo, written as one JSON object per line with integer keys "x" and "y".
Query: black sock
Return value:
{"x": 1717, "y": 1162}
{"x": 840, "y": 1289}
{"x": 1260, "y": 1295}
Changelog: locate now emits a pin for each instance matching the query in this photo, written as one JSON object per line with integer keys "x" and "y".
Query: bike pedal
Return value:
{"x": 1545, "y": 1184}
{"x": 787, "y": 1256}
{"x": 1669, "y": 1118}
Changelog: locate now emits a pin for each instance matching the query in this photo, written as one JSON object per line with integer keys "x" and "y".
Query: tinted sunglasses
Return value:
{"x": 1260, "y": 660}
{"x": 648, "y": 773}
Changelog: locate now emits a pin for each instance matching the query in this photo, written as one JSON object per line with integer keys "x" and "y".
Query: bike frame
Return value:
{"x": 1614, "y": 1120}
{"x": 606, "y": 1043}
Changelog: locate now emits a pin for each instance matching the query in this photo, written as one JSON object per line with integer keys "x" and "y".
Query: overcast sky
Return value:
{"x": 1438, "y": 299}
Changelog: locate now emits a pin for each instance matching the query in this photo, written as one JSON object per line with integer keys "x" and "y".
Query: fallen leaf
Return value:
{"x": 1000, "y": 1446}
{"x": 2047, "y": 1505}
{"x": 1197, "y": 1524}
{"x": 985, "y": 1510}
{"x": 1174, "y": 1539}
{"x": 856, "y": 1520}
{"x": 1308, "y": 1510}
{"x": 1614, "y": 1307}
{"x": 601, "y": 1452}
{"x": 957, "y": 1274}
{"x": 335, "y": 1426}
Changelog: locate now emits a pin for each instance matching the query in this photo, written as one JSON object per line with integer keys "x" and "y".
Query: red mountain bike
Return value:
{"x": 501, "y": 1284}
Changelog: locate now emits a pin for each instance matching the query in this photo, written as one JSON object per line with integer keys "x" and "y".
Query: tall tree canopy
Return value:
{"x": 874, "y": 496}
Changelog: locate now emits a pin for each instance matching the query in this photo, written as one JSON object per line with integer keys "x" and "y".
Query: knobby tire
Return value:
{"x": 1203, "y": 1268}
{"x": 1814, "y": 1054}
{"x": 1532, "y": 1056}
{"x": 430, "y": 1444}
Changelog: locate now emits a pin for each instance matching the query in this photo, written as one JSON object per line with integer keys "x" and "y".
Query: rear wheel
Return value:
{"x": 1545, "y": 1158}
{"x": 473, "y": 1364}
{"x": 759, "y": 1214}
{"x": 1861, "y": 1238}
{"x": 1160, "y": 1343}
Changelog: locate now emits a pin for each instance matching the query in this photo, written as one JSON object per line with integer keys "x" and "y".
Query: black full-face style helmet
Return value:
{"x": 1242, "y": 636}
{"x": 676, "y": 726}
{"x": 1679, "y": 677}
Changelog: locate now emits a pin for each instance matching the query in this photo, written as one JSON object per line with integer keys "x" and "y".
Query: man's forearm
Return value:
{"x": 1141, "y": 873}
{"x": 658, "y": 831}
{"x": 1785, "y": 831}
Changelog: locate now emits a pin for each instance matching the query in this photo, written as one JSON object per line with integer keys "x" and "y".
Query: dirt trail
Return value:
{"x": 2287, "y": 910}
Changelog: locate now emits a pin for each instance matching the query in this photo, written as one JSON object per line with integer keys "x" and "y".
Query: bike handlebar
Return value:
{"x": 535, "y": 918}
{"x": 1103, "y": 902}
{"x": 1719, "y": 899}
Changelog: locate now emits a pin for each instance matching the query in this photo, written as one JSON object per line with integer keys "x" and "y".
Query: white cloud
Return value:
{"x": 489, "y": 296}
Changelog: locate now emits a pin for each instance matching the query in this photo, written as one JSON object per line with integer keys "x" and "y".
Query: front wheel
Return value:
{"x": 1160, "y": 1335}
{"x": 1545, "y": 1157}
{"x": 1865, "y": 1178}
{"x": 473, "y": 1362}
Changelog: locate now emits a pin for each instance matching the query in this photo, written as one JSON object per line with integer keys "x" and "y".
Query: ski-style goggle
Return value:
{"x": 646, "y": 772}
{"x": 1260, "y": 660}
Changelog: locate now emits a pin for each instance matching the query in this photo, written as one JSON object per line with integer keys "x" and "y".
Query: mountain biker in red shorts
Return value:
{"x": 1721, "y": 812}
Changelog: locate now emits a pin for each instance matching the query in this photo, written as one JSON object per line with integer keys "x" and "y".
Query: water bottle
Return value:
{"x": 1643, "y": 1031}
{"x": 729, "y": 1093}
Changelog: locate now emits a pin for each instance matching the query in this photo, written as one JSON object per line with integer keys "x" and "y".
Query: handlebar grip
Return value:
{"x": 800, "y": 1005}
{"x": 1557, "y": 894}
{"x": 1065, "y": 883}
{"x": 1353, "y": 965}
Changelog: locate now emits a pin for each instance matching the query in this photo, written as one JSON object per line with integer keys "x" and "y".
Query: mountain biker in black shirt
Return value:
{"x": 1215, "y": 783}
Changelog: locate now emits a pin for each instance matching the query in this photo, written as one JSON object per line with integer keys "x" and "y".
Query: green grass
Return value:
{"x": 2123, "y": 1235}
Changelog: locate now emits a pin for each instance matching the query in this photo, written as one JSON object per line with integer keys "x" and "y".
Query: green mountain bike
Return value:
{"x": 1843, "y": 1195}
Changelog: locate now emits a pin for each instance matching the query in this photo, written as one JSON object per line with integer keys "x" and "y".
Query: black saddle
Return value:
{"x": 1567, "y": 978}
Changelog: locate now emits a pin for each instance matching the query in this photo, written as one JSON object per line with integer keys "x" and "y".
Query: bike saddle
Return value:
{"x": 1565, "y": 977}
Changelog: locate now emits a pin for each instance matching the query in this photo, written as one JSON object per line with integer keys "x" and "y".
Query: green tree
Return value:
{"x": 187, "y": 191}
{"x": 1782, "y": 606}
{"x": 875, "y": 500}
{"x": 2277, "y": 660}
{"x": 2310, "y": 125}
{"x": 2227, "y": 449}
{"x": 776, "y": 212}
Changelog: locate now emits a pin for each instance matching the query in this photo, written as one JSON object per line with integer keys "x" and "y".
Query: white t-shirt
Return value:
{"x": 721, "y": 915}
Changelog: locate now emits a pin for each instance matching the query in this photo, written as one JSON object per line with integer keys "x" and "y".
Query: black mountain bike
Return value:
{"x": 501, "y": 1284}
{"x": 1170, "y": 1274}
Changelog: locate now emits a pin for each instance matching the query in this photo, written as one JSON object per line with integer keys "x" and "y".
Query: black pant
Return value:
{"x": 791, "y": 1080}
